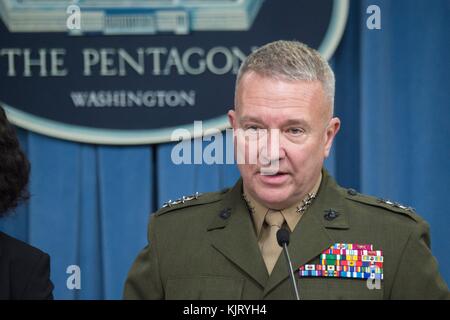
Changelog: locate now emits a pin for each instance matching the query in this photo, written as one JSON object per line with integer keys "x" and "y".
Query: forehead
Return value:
{"x": 258, "y": 94}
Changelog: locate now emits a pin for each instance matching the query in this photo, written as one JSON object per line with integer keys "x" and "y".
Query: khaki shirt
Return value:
{"x": 291, "y": 214}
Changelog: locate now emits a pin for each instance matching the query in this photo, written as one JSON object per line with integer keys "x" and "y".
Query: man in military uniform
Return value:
{"x": 343, "y": 245}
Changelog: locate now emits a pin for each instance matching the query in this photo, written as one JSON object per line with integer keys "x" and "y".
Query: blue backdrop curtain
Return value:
{"x": 90, "y": 204}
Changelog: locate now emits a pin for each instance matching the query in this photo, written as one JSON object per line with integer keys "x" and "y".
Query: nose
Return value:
{"x": 271, "y": 149}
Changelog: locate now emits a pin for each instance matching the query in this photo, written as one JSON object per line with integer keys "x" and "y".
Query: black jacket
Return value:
{"x": 24, "y": 271}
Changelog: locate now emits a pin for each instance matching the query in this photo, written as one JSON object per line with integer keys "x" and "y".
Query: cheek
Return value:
{"x": 247, "y": 170}
{"x": 305, "y": 155}
{"x": 246, "y": 151}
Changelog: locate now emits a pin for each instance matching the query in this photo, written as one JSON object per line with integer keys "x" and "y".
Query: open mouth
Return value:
{"x": 277, "y": 178}
{"x": 271, "y": 172}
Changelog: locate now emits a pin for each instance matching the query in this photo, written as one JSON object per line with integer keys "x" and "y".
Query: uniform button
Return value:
{"x": 330, "y": 214}
{"x": 352, "y": 192}
{"x": 225, "y": 213}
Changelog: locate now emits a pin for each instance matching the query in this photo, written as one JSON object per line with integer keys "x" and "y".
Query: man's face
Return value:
{"x": 301, "y": 113}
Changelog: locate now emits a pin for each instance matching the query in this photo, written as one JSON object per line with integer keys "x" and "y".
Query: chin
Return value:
{"x": 275, "y": 199}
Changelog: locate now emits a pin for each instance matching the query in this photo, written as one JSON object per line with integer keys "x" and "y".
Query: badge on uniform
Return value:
{"x": 347, "y": 260}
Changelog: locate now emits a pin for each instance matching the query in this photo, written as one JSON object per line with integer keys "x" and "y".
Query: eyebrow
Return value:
{"x": 289, "y": 122}
{"x": 249, "y": 119}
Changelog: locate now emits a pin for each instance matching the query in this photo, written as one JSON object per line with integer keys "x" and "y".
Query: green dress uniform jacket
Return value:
{"x": 206, "y": 248}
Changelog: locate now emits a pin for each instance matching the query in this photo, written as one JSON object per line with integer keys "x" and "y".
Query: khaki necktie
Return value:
{"x": 270, "y": 249}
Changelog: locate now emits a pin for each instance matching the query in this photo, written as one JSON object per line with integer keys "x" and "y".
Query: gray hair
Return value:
{"x": 290, "y": 60}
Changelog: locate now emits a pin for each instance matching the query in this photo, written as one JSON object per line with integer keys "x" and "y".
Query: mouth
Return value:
{"x": 269, "y": 171}
{"x": 273, "y": 177}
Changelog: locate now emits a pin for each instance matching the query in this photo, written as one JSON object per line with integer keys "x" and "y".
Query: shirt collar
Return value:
{"x": 259, "y": 211}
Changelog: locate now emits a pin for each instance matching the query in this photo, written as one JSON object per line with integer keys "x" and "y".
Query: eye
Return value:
{"x": 252, "y": 129}
{"x": 296, "y": 131}
{"x": 255, "y": 131}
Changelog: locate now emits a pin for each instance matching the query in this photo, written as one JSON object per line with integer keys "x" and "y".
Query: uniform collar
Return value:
{"x": 258, "y": 211}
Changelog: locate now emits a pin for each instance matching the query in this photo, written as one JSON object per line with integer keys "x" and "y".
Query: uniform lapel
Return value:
{"x": 310, "y": 237}
{"x": 232, "y": 234}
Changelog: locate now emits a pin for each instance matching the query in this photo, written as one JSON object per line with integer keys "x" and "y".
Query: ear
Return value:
{"x": 232, "y": 118}
{"x": 332, "y": 130}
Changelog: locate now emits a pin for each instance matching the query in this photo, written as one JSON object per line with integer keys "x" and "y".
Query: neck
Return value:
{"x": 311, "y": 193}
{"x": 317, "y": 185}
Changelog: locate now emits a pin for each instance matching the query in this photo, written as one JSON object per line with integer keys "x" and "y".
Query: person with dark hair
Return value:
{"x": 24, "y": 270}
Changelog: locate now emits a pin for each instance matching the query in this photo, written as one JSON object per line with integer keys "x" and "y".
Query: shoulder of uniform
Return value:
{"x": 389, "y": 205}
{"x": 191, "y": 200}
